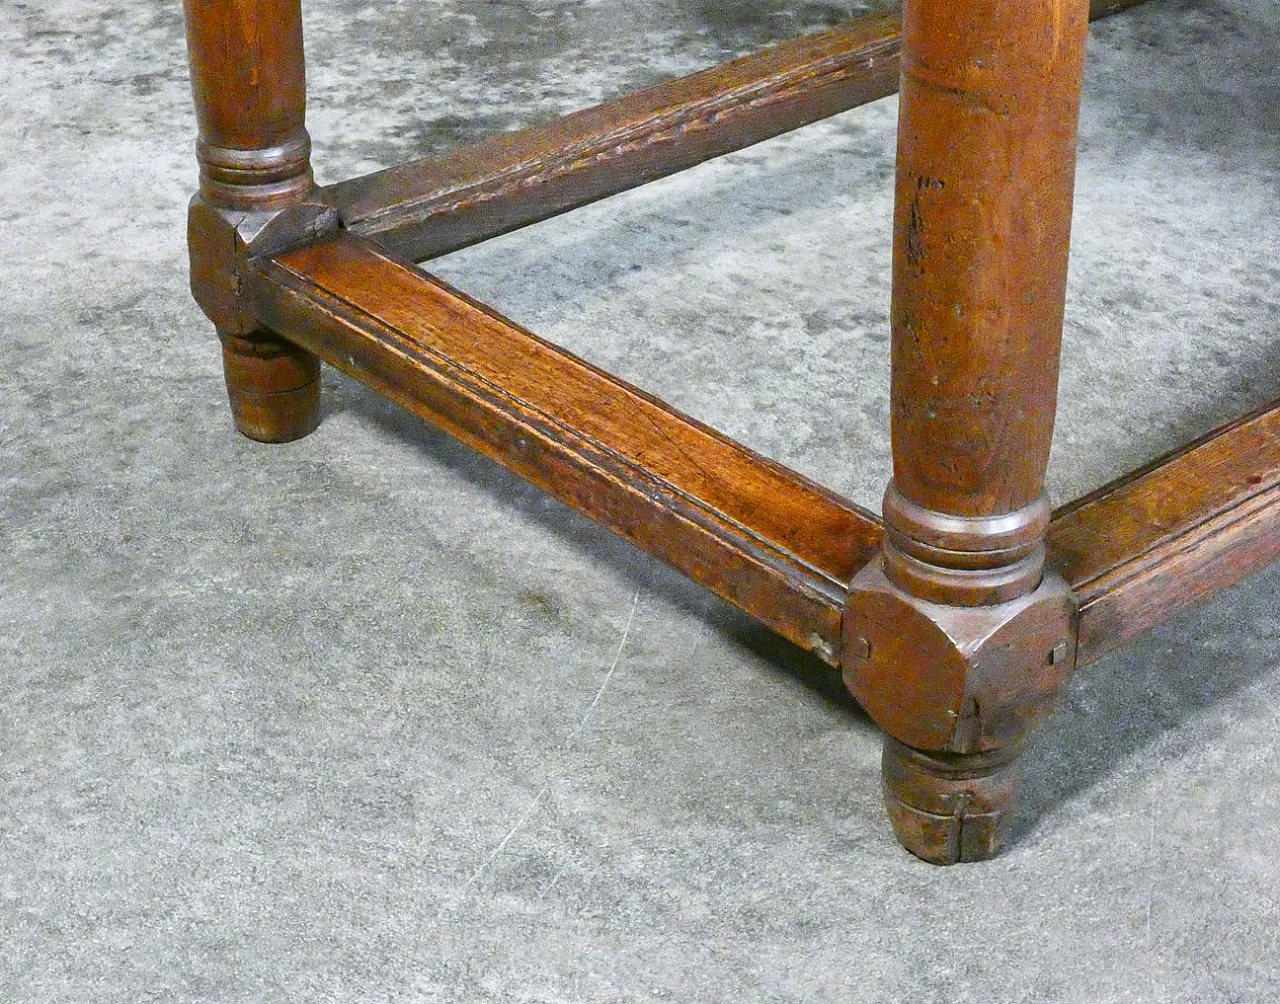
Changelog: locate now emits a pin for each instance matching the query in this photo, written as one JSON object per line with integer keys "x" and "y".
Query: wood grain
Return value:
{"x": 1173, "y": 532}
{"x": 982, "y": 226}
{"x": 1135, "y": 552}
{"x": 248, "y": 80}
{"x": 959, "y": 624}
{"x": 761, "y": 536}
{"x": 431, "y": 207}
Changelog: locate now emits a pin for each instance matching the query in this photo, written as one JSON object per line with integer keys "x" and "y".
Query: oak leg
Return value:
{"x": 958, "y": 637}
{"x": 273, "y": 386}
{"x": 248, "y": 80}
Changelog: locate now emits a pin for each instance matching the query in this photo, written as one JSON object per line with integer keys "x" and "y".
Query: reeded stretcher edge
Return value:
{"x": 773, "y": 543}
{"x": 1172, "y": 533}
{"x": 764, "y": 538}
{"x": 430, "y": 207}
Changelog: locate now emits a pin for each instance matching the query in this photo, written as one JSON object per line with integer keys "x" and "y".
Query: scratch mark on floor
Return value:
{"x": 542, "y": 895}
{"x": 1151, "y": 847}
{"x": 617, "y": 656}
{"x": 546, "y": 785}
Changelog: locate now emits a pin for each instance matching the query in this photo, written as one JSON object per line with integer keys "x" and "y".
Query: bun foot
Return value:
{"x": 950, "y": 807}
{"x": 273, "y": 386}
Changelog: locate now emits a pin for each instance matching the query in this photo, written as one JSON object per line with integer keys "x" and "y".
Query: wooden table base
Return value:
{"x": 957, "y": 615}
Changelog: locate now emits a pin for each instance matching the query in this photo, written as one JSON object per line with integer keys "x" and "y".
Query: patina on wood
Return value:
{"x": 763, "y": 537}
{"x": 955, "y": 620}
{"x": 431, "y": 207}
{"x": 249, "y": 83}
{"x": 1172, "y": 533}
{"x": 957, "y": 637}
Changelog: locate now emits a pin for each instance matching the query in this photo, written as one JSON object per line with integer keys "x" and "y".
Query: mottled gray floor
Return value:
{"x": 364, "y": 718}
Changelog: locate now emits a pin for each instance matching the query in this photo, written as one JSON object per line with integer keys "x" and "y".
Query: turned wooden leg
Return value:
{"x": 248, "y": 79}
{"x": 957, "y": 638}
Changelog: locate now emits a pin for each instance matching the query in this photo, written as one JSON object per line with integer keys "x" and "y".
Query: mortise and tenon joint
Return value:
{"x": 273, "y": 386}
{"x": 221, "y": 241}
{"x": 957, "y": 690}
{"x": 959, "y": 679}
{"x": 954, "y": 627}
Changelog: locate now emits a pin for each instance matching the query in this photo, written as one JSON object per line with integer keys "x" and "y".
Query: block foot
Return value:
{"x": 273, "y": 386}
{"x": 950, "y": 807}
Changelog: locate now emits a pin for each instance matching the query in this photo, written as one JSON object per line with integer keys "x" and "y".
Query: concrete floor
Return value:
{"x": 364, "y": 718}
